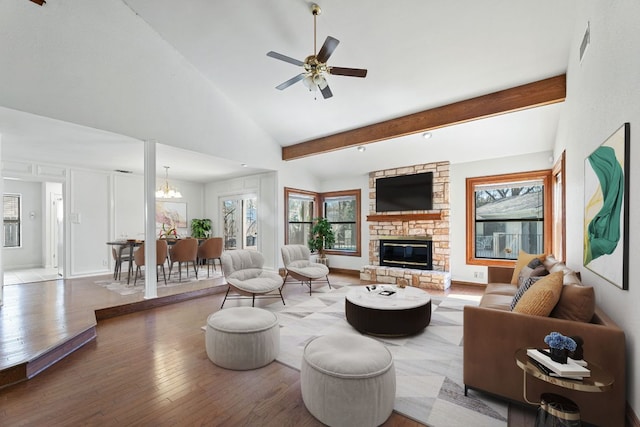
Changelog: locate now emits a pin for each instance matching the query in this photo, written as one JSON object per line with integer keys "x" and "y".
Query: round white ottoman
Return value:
{"x": 348, "y": 380}
{"x": 242, "y": 338}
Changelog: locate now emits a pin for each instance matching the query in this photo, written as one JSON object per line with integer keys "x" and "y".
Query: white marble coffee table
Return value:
{"x": 405, "y": 312}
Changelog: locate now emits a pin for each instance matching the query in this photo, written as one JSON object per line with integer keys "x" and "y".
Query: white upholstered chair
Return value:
{"x": 243, "y": 270}
{"x": 299, "y": 266}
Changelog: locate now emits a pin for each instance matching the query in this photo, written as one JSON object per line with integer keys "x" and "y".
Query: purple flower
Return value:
{"x": 557, "y": 340}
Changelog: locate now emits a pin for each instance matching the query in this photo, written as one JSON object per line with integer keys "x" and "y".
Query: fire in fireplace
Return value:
{"x": 407, "y": 253}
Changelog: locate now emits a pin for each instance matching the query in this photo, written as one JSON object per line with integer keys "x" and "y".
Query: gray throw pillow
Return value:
{"x": 535, "y": 263}
{"x": 524, "y": 284}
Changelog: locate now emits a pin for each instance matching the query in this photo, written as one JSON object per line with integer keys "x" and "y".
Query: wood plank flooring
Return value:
{"x": 147, "y": 368}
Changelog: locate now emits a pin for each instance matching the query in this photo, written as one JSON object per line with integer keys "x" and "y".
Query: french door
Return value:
{"x": 240, "y": 222}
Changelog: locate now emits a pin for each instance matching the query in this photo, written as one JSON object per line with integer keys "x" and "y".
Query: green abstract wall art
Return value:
{"x": 606, "y": 209}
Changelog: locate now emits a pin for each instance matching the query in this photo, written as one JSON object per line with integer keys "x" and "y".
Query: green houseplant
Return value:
{"x": 200, "y": 228}
{"x": 321, "y": 237}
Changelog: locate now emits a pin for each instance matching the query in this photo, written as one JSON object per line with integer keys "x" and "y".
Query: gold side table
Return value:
{"x": 556, "y": 406}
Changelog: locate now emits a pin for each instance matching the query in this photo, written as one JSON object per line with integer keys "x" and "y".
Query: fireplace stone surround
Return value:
{"x": 412, "y": 225}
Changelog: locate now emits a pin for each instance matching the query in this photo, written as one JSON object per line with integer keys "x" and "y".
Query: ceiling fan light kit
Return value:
{"x": 315, "y": 66}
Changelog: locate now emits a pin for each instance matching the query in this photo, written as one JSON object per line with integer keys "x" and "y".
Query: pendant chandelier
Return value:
{"x": 165, "y": 191}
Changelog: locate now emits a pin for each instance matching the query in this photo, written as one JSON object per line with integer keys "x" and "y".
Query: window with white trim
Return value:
{"x": 11, "y": 220}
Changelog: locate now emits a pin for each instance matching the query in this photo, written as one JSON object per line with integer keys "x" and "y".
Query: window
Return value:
{"x": 506, "y": 214}
{"x": 341, "y": 208}
{"x": 559, "y": 223}
{"x": 12, "y": 215}
{"x": 240, "y": 222}
{"x": 301, "y": 209}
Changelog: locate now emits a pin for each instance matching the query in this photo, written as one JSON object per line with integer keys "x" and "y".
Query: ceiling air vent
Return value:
{"x": 586, "y": 40}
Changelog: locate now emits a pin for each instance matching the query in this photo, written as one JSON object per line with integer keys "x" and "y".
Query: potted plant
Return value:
{"x": 200, "y": 228}
{"x": 321, "y": 237}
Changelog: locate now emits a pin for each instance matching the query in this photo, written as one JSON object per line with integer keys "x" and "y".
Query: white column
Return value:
{"x": 150, "y": 277}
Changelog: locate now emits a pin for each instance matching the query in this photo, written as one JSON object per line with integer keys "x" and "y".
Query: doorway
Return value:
{"x": 56, "y": 231}
{"x": 39, "y": 256}
{"x": 240, "y": 222}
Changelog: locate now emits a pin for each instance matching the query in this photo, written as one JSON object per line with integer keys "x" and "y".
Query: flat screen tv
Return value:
{"x": 405, "y": 193}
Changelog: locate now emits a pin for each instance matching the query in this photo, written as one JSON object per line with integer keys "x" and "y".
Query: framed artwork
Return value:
{"x": 606, "y": 209}
{"x": 172, "y": 214}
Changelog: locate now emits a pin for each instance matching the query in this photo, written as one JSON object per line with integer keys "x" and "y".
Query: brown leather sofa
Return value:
{"x": 493, "y": 333}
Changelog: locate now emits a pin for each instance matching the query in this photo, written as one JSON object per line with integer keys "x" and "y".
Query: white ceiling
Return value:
{"x": 420, "y": 54}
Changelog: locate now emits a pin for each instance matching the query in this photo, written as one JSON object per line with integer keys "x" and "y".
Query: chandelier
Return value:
{"x": 165, "y": 191}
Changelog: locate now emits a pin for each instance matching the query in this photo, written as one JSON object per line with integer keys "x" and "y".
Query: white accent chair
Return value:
{"x": 244, "y": 273}
{"x": 298, "y": 265}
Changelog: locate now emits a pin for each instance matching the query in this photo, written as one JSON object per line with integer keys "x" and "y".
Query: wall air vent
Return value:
{"x": 586, "y": 40}
{"x": 122, "y": 171}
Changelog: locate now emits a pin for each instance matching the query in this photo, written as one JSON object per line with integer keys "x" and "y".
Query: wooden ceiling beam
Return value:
{"x": 536, "y": 94}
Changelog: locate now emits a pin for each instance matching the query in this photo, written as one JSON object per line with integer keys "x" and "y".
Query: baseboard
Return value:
{"x": 475, "y": 284}
{"x": 344, "y": 271}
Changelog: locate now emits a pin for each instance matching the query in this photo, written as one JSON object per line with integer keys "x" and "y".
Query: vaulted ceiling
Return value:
{"x": 420, "y": 55}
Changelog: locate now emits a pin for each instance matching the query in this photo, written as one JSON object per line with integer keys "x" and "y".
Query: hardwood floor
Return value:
{"x": 148, "y": 368}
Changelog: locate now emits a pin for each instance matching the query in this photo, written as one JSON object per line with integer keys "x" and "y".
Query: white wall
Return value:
{"x": 602, "y": 94}
{"x": 128, "y": 208}
{"x": 30, "y": 254}
{"x": 88, "y": 222}
{"x": 460, "y": 271}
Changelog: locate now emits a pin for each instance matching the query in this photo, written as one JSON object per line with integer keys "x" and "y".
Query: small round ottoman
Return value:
{"x": 242, "y": 338}
{"x": 348, "y": 380}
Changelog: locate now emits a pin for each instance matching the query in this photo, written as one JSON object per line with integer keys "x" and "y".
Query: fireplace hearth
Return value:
{"x": 407, "y": 253}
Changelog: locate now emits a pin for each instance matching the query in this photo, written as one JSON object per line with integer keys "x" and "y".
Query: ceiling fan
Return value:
{"x": 315, "y": 66}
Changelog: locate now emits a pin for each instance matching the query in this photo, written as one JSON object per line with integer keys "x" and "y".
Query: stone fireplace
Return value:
{"x": 421, "y": 226}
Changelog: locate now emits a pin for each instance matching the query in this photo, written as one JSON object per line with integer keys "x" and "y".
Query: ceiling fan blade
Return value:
{"x": 291, "y": 81}
{"x": 351, "y": 72}
{"x": 285, "y": 58}
{"x": 326, "y": 92}
{"x": 327, "y": 49}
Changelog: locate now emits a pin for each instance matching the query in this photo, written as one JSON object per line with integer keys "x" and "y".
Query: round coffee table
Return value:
{"x": 405, "y": 312}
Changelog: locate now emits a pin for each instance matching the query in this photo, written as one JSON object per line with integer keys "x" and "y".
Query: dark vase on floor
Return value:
{"x": 559, "y": 355}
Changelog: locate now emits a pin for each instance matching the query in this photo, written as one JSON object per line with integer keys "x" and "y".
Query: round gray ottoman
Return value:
{"x": 242, "y": 338}
{"x": 348, "y": 380}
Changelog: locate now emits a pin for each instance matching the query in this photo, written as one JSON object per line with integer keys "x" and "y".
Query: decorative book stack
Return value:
{"x": 573, "y": 369}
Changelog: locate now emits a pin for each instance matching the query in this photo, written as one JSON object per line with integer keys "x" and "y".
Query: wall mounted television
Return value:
{"x": 405, "y": 193}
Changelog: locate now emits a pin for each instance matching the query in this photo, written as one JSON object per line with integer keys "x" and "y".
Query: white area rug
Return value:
{"x": 428, "y": 365}
{"x": 121, "y": 287}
